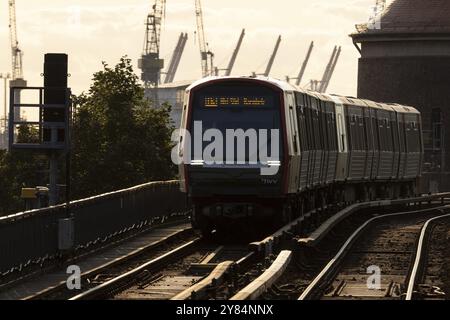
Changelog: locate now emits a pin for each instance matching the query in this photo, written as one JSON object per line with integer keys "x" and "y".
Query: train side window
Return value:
{"x": 395, "y": 133}
{"x": 342, "y": 136}
{"x": 367, "y": 134}
{"x": 324, "y": 121}
{"x": 308, "y": 122}
{"x": 332, "y": 132}
{"x": 293, "y": 129}
{"x": 335, "y": 135}
{"x": 315, "y": 118}
{"x": 381, "y": 135}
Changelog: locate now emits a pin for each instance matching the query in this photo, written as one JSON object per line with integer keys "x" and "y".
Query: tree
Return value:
{"x": 119, "y": 139}
{"x": 20, "y": 169}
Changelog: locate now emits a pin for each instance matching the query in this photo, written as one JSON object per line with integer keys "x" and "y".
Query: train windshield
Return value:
{"x": 238, "y": 107}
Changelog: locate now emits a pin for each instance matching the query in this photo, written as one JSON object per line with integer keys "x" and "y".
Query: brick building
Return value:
{"x": 405, "y": 58}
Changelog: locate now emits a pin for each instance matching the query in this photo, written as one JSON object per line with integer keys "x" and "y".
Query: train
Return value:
{"x": 260, "y": 151}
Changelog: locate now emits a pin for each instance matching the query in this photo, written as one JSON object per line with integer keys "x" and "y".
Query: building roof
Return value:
{"x": 176, "y": 85}
{"x": 411, "y": 16}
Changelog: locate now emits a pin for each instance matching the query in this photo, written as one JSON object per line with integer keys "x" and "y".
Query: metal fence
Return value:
{"x": 32, "y": 237}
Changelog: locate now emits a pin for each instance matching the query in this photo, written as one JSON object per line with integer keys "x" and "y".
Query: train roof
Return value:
{"x": 403, "y": 109}
{"x": 283, "y": 85}
{"x": 372, "y": 104}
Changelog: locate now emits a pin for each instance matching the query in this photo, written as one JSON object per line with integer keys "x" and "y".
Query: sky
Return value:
{"x": 92, "y": 31}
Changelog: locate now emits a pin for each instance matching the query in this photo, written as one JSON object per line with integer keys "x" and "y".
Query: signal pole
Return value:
{"x": 5, "y": 78}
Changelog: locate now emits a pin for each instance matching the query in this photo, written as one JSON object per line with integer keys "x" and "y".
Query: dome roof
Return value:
{"x": 413, "y": 16}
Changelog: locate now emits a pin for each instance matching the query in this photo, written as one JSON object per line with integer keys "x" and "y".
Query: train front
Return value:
{"x": 233, "y": 153}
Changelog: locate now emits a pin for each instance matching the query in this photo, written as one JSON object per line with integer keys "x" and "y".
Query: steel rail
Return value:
{"x": 152, "y": 264}
{"x": 257, "y": 287}
{"x": 116, "y": 262}
{"x": 419, "y": 255}
{"x": 330, "y": 267}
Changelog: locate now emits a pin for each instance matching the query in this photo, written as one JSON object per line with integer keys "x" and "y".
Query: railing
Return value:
{"x": 32, "y": 237}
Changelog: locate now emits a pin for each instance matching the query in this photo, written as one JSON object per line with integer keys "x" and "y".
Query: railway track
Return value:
{"x": 195, "y": 270}
{"x": 429, "y": 277}
{"x": 384, "y": 246}
{"x": 121, "y": 265}
{"x": 191, "y": 268}
{"x": 317, "y": 272}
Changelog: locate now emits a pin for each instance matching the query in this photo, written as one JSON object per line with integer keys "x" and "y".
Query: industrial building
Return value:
{"x": 405, "y": 59}
{"x": 173, "y": 94}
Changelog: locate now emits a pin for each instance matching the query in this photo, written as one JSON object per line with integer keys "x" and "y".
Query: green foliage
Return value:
{"x": 118, "y": 139}
{"x": 28, "y": 134}
{"x": 20, "y": 169}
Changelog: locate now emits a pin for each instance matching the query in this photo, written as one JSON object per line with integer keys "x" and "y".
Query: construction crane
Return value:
{"x": 17, "y": 54}
{"x": 207, "y": 57}
{"x": 304, "y": 65}
{"x": 235, "y": 54}
{"x": 322, "y": 86}
{"x": 331, "y": 71}
{"x": 150, "y": 63}
{"x": 176, "y": 58}
{"x": 271, "y": 59}
{"x": 17, "y": 79}
{"x": 327, "y": 70}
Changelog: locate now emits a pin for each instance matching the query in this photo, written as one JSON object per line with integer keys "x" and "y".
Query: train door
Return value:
{"x": 342, "y": 161}
{"x": 369, "y": 142}
{"x": 183, "y": 145}
{"x": 376, "y": 143}
{"x": 315, "y": 117}
{"x": 332, "y": 146}
{"x": 325, "y": 143}
{"x": 402, "y": 144}
{"x": 293, "y": 137}
{"x": 311, "y": 141}
{"x": 303, "y": 138}
{"x": 396, "y": 144}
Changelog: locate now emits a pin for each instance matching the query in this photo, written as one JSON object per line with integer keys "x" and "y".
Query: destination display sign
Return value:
{"x": 234, "y": 101}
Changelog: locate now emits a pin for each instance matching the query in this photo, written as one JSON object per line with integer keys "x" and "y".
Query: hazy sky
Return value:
{"x": 91, "y": 31}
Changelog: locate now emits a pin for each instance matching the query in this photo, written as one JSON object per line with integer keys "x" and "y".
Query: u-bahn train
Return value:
{"x": 329, "y": 149}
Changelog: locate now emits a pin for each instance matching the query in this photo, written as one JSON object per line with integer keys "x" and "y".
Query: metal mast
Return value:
{"x": 331, "y": 71}
{"x": 305, "y": 64}
{"x": 150, "y": 63}
{"x": 327, "y": 69}
{"x": 176, "y": 58}
{"x": 207, "y": 57}
{"x": 235, "y": 54}
{"x": 272, "y": 58}
{"x": 17, "y": 54}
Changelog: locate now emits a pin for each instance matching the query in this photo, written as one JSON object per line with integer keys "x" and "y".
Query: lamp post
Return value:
{"x": 5, "y": 78}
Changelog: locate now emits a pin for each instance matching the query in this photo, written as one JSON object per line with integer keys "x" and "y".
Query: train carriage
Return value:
{"x": 330, "y": 149}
